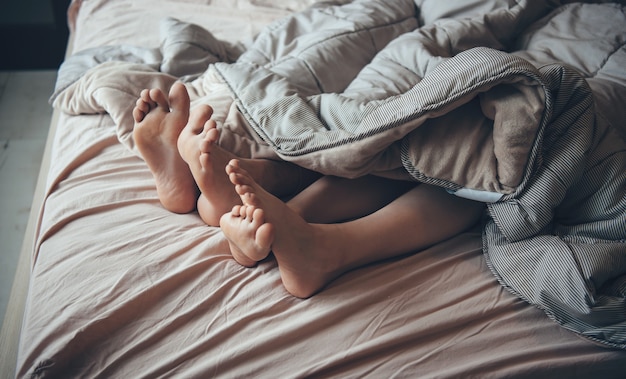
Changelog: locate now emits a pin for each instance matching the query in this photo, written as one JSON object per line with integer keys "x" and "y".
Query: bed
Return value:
{"x": 119, "y": 287}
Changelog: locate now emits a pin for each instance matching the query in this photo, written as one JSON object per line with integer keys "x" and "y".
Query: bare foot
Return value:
{"x": 198, "y": 147}
{"x": 159, "y": 119}
{"x": 308, "y": 257}
{"x": 254, "y": 236}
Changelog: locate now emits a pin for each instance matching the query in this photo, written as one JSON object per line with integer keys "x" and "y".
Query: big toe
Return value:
{"x": 264, "y": 238}
{"x": 179, "y": 101}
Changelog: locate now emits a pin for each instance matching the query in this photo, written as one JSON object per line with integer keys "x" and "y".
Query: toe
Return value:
{"x": 156, "y": 96}
{"x": 250, "y": 213}
{"x": 138, "y": 115}
{"x": 199, "y": 117}
{"x": 205, "y": 161}
{"x": 144, "y": 97}
{"x": 179, "y": 102}
{"x": 236, "y": 211}
{"x": 264, "y": 237}
{"x": 258, "y": 217}
{"x": 212, "y": 134}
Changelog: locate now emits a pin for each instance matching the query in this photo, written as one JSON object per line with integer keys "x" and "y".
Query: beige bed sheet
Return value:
{"x": 122, "y": 288}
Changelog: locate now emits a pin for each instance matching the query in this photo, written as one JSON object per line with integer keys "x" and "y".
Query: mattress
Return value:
{"x": 121, "y": 287}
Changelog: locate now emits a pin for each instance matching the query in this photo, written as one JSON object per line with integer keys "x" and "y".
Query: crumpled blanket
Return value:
{"x": 516, "y": 104}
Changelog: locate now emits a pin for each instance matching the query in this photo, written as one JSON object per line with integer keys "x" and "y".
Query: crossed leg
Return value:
{"x": 310, "y": 256}
{"x": 181, "y": 150}
{"x": 206, "y": 160}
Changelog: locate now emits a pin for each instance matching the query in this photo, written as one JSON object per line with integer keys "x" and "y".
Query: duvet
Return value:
{"x": 511, "y": 107}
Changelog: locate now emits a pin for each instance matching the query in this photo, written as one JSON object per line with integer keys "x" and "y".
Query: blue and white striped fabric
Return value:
{"x": 560, "y": 241}
{"x": 556, "y": 231}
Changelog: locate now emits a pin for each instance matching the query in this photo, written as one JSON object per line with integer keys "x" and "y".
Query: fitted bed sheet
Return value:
{"x": 120, "y": 287}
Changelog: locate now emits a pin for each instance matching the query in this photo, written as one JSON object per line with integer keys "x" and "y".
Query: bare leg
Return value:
{"x": 332, "y": 199}
{"x": 342, "y": 199}
{"x": 159, "y": 119}
{"x": 310, "y": 256}
{"x": 197, "y": 145}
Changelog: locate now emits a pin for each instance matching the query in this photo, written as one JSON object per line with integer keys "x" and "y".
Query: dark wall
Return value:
{"x": 35, "y": 45}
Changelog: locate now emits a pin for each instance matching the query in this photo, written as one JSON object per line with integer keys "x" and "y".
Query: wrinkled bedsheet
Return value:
{"x": 122, "y": 288}
{"x": 521, "y": 107}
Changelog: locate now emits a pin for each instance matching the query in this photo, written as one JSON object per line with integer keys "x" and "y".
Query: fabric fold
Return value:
{"x": 471, "y": 103}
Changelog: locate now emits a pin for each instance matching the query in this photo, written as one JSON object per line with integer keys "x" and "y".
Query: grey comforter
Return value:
{"x": 519, "y": 104}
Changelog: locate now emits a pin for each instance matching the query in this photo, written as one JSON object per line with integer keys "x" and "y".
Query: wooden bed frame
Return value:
{"x": 12, "y": 324}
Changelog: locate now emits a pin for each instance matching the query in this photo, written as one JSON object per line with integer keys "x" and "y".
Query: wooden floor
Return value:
{"x": 24, "y": 121}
